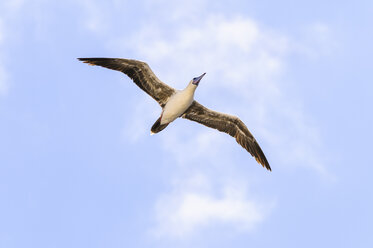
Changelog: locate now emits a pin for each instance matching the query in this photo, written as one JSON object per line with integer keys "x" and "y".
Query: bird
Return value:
{"x": 181, "y": 103}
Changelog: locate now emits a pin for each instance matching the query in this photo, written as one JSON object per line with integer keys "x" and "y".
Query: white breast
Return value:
{"x": 177, "y": 105}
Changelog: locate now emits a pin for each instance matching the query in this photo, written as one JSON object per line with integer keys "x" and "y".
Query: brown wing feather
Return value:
{"x": 231, "y": 125}
{"x": 140, "y": 73}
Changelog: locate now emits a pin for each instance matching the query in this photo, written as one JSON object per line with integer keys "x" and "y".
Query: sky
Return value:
{"x": 78, "y": 167}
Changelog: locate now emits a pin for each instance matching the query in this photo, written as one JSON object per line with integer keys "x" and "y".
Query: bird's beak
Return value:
{"x": 197, "y": 79}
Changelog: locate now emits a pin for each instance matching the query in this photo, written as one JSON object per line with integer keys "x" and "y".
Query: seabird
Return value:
{"x": 181, "y": 103}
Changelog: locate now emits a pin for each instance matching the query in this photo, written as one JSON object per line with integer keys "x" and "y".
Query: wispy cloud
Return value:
{"x": 193, "y": 206}
{"x": 9, "y": 11}
{"x": 95, "y": 17}
{"x": 234, "y": 51}
{"x": 315, "y": 41}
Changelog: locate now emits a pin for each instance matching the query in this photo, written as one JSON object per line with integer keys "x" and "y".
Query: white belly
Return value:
{"x": 176, "y": 106}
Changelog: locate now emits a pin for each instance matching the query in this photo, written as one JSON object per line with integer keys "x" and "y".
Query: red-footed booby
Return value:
{"x": 177, "y": 103}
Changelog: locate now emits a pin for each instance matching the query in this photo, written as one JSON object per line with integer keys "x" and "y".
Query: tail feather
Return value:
{"x": 157, "y": 126}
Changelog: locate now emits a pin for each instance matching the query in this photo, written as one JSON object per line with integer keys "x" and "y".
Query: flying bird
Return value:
{"x": 181, "y": 103}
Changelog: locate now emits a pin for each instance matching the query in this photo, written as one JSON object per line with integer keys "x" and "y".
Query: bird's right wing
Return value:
{"x": 229, "y": 124}
{"x": 140, "y": 73}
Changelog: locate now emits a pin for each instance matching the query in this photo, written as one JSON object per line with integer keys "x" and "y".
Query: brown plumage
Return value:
{"x": 144, "y": 77}
{"x": 229, "y": 124}
{"x": 140, "y": 73}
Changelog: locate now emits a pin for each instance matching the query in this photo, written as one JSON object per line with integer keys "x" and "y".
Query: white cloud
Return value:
{"x": 192, "y": 206}
{"x": 316, "y": 41}
{"x": 175, "y": 11}
{"x": 95, "y": 15}
{"x": 9, "y": 12}
{"x": 11, "y": 7}
{"x": 233, "y": 51}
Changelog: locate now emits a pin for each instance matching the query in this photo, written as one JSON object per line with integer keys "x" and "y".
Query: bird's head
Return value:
{"x": 196, "y": 80}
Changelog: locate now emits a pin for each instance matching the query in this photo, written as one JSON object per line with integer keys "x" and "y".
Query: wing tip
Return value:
{"x": 260, "y": 157}
{"x": 89, "y": 61}
{"x": 265, "y": 163}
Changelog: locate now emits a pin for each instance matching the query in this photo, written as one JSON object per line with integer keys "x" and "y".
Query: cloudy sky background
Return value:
{"x": 78, "y": 167}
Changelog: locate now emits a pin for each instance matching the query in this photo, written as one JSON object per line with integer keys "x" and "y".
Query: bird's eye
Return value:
{"x": 194, "y": 79}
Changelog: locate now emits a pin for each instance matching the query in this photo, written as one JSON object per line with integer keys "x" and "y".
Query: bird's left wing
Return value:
{"x": 140, "y": 73}
{"x": 229, "y": 124}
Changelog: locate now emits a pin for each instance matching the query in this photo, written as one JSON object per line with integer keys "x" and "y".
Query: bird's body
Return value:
{"x": 178, "y": 104}
{"x": 182, "y": 104}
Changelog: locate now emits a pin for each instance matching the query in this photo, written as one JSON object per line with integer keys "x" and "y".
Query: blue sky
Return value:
{"x": 78, "y": 167}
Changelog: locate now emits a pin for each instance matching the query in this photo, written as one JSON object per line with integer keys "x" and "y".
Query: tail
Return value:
{"x": 157, "y": 126}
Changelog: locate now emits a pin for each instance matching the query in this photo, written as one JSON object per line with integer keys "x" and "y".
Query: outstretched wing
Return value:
{"x": 140, "y": 73}
{"x": 229, "y": 124}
